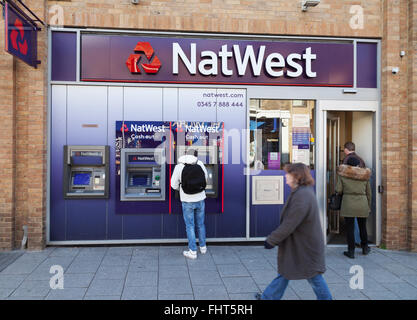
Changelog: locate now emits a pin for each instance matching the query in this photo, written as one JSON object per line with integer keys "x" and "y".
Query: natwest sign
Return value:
{"x": 215, "y": 61}
{"x": 274, "y": 64}
{"x": 20, "y": 36}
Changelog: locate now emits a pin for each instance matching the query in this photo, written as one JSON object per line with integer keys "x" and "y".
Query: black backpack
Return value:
{"x": 193, "y": 179}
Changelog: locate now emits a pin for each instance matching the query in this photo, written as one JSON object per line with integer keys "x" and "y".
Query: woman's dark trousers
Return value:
{"x": 350, "y": 232}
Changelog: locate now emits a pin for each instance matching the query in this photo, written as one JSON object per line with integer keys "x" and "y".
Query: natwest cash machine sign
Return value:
{"x": 123, "y": 58}
{"x": 20, "y": 36}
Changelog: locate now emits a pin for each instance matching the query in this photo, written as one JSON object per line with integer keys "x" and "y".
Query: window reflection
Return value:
{"x": 281, "y": 131}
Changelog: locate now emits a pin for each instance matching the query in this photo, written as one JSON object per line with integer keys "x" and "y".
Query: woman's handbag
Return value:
{"x": 335, "y": 201}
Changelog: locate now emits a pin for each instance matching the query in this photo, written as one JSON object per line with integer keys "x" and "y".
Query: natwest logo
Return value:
{"x": 275, "y": 64}
{"x": 132, "y": 62}
{"x": 23, "y": 45}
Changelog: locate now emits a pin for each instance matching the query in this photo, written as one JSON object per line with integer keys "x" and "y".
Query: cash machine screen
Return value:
{"x": 137, "y": 180}
{"x": 81, "y": 179}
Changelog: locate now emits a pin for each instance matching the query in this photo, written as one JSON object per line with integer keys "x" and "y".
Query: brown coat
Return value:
{"x": 301, "y": 252}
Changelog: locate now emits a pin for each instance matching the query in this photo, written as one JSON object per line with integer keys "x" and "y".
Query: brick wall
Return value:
{"x": 23, "y": 107}
{"x": 330, "y": 18}
{"x": 7, "y": 143}
{"x": 412, "y": 100}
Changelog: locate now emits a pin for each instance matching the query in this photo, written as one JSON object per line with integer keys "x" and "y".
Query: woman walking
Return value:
{"x": 354, "y": 184}
{"x": 299, "y": 237}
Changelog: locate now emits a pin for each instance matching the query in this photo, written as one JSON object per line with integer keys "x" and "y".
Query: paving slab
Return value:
{"x": 8, "y": 257}
{"x": 175, "y": 297}
{"x": 161, "y": 272}
{"x": 11, "y": 281}
{"x": 240, "y": 284}
{"x": 117, "y": 297}
{"x": 29, "y": 288}
{"x": 83, "y": 267}
{"x": 106, "y": 272}
{"x": 232, "y": 270}
{"x": 210, "y": 292}
{"x": 403, "y": 290}
{"x": 140, "y": 293}
{"x": 67, "y": 294}
{"x": 100, "y": 287}
{"x": 142, "y": 279}
{"x": 4, "y": 293}
{"x": 203, "y": 278}
{"x": 174, "y": 286}
{"x": 175, "y": 271}
{"x": 78, "y": 280}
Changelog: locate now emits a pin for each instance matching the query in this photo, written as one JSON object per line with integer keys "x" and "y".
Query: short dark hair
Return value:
{"x": 350, "y": 146}
{"x": 300, "y": 172}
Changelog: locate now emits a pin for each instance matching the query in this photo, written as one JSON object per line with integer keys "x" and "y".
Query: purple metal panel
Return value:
{"x": 64, "y": 56}
{"x": 265, "y": 218}
{"x": 86, "y": 219}
{"x": 57, "y": 213}
{"x": 104, "y": 58}
{"x": 366, "y": 65}
{"x": 115, "y": 112}
{"x": 232, "y": 222}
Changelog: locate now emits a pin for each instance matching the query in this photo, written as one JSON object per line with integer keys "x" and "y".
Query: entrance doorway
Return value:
{"x": 341, "y": 127}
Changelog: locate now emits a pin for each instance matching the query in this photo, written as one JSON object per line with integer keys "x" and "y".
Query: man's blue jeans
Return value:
{"x": 194, "y": 211}
{"x": 277, "y": 287}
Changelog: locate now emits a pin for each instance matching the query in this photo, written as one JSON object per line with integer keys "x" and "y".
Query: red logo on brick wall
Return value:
{"x": 133, "y": 60}
{"x": 23, "y": 47}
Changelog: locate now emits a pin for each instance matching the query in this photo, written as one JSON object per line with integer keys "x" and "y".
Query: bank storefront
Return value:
{"x": 123, "y": 106}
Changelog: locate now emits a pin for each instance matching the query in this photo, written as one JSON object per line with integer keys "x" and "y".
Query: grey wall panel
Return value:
{"x": 87, "y": 115}
{"x": 58, "y": 140}
{"x": 171, "y": 221}
{"x": 86, "y": 125}
{"x": 115, "y": 112}
{"x": 194, "y": 104}
{"x": 142, "y": 104}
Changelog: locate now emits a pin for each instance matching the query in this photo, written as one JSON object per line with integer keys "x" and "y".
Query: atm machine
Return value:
{"x": 209, "y": 156}
{"x": 142, "y": 174}
{"x": 86, "y": 172}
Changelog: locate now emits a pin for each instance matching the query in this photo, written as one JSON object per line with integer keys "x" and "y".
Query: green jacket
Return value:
{"x": 353, "y": 183}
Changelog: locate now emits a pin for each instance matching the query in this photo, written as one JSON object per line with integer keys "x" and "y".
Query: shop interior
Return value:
{"x": 343, "y": 126}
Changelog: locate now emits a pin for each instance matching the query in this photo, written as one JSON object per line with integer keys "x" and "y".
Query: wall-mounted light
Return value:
{"x": 395, "y": 70}
{"x": 309, "y": 3}
{"x": 135, "y": 1}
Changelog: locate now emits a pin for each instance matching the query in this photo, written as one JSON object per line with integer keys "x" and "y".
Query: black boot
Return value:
{"x": 366, "y": 250}
{"x": 349, "y": 254}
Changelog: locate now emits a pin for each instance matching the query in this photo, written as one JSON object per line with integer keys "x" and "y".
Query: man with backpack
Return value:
{"x": 190, "y": 178}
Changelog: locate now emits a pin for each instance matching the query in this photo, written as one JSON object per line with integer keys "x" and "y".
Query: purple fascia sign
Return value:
{"x": 20, "y": 36}
{"x": 126, "y": 58}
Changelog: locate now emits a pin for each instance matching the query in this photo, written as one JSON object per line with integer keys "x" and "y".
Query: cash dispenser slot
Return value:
{"x": 142, "y": 175}
{"x": 86, "y": 172}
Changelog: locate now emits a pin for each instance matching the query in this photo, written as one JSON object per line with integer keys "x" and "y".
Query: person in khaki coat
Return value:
{"x": 299, "y": 237}
{"x": 353, "y": 184}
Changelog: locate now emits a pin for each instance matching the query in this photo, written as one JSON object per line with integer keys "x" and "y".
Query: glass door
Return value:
{"x": 333, "y": 160}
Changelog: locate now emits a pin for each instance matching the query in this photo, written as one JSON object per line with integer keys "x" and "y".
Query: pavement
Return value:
{"x": 233, "y": 272}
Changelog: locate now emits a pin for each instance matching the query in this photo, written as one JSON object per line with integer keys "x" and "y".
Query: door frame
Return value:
{"x": 321, "y": 188}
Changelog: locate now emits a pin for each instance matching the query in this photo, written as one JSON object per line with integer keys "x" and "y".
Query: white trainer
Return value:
{"x": 190, "y": 254}
{"x": 203, "y": 250}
